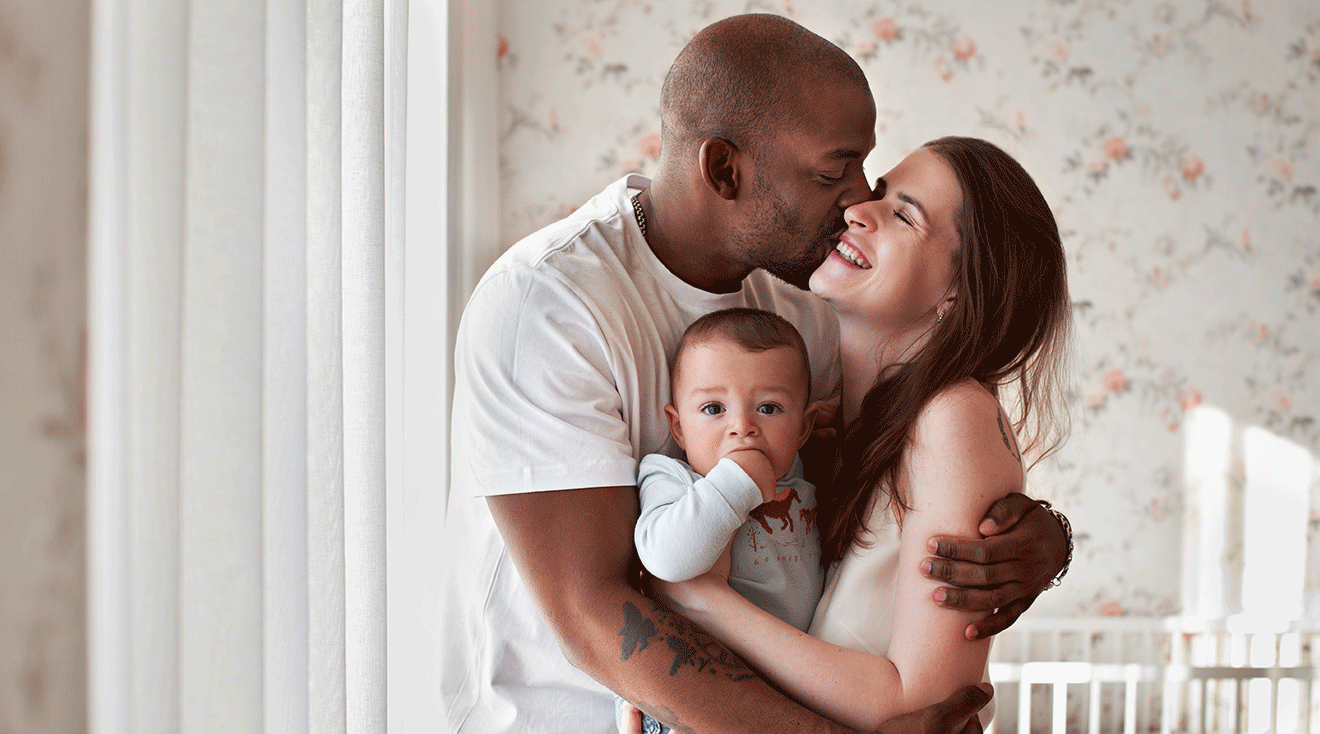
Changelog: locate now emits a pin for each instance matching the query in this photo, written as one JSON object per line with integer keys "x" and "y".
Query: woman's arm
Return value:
{"x": 956, "y": 467}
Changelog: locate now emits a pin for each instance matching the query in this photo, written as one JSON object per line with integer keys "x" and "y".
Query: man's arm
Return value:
{"x": 1024, "y": 550}
{"x": 572, "y": 548}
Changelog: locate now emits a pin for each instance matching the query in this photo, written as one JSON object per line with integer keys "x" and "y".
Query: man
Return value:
{"x": 561, "y": 378}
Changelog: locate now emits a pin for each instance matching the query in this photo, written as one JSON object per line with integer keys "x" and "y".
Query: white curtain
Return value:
{"x": 246, "y": 217}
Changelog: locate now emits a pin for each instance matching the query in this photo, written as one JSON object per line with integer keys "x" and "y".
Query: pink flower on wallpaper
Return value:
{"x": 592, "y": 47}
{"x": 1111, "y": 609}
{"x": 865, "y": 47}
{"x": 942, "y": 68}
{"x": 1115, "y": 147}
{"x": 1257, "y": 333}
{"x": 1161, "y": 280}
{"x": 649, "y": 145}
{"x": 964, "y": 48}
{"x": 1058, "y": 51}
{"x": 1114, "y": 380}
{"x": 1171, "y": 188}
{"x": 1192, "y": 168}
{"x": 502, "y": 49}
{"x": 1281, "y": 169}
{"x": 1096, "y": 164}
{"x": 1260, "y": 103}
{"x": 1245, "y": 240}
{"x": 1315, "y": 284}
{"x": 1020, "y": 121}
{"x": 1315, "y": 54}
{"x": 552, "y": 118}
{"x": 1281, "y": 400}
{"x": 1189, "y": 398}
{"x": 1157, "y": 508}
{"x": 1161, "y": 46}
{"x": 885, "y": 29}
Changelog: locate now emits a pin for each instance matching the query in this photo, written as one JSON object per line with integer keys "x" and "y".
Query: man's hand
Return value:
{"x": 954, "y": 715}
{"x": 757, "y": 465}
{"x": 1022, "y": 551}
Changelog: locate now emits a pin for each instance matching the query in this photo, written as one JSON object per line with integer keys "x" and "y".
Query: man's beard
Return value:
{"x": 778, "y": 217}
{"x": 798, "y": 271}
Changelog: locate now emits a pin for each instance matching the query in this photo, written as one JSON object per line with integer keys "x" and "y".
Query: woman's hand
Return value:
{"x": 630, "y": 718}
{"x": 1021, "y": 554}
{"x": 691, "y": 598}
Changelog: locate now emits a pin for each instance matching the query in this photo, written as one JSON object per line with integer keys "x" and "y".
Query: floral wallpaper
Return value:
{"x": 1176, "y": 143}
{"x": 44, "y": 67}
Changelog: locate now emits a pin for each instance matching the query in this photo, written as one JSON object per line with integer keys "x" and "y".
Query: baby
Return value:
{"x": 741, "y": 385}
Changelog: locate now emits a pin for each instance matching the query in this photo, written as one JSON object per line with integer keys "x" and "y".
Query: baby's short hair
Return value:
{"x": 750, "y": 328}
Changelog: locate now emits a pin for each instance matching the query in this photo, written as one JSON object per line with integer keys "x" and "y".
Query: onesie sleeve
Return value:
{"x": 686, "y": 519}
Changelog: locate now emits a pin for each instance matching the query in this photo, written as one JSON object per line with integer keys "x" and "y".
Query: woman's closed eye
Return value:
{"x": 711, "y": 409}
{"x": 903, "y": 216}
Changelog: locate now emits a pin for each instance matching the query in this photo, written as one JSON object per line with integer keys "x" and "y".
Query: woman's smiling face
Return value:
{"x": 894, "y": 266}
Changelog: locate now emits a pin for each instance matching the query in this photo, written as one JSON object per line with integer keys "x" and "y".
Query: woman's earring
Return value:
{"x": 939, "y": 317}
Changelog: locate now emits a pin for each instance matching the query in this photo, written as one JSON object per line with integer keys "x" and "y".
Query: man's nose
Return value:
{"x": 855, "y": 189}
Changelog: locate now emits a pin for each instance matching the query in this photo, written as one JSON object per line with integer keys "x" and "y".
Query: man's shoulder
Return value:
{"x": 577, "y": 255}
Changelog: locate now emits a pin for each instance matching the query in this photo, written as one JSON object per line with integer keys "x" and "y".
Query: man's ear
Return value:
{"x": 720, "y": 162}
{"x": 675, "y": 429}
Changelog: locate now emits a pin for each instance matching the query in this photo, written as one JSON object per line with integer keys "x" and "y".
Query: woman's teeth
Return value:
{"x": 852, "y": 255}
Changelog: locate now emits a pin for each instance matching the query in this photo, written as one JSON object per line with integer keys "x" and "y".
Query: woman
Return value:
{"x": 950, "y": 287}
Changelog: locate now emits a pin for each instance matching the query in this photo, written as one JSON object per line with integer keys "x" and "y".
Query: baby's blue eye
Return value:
{"x": 712, "y": 409}
{"x": 769, "y": 409}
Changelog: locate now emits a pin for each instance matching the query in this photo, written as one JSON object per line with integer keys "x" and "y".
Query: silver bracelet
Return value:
{"x": 1067, "y": 529}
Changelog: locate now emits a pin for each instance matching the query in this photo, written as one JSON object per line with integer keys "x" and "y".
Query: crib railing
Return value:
{"x": 1133, "y": 675}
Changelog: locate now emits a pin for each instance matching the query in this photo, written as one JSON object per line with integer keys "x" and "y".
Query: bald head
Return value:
{"x": 744, "y": 78}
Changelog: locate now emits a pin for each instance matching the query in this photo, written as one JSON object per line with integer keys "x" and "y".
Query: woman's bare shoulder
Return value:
{"x": 956, "y": 409}
{"x": 962, "y": 441}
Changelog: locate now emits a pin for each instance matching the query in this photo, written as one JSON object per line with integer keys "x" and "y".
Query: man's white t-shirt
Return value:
{"x": 561, "y": 376}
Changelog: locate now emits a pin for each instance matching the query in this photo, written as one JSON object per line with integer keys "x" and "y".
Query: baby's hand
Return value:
{"x": 757, "y": 465}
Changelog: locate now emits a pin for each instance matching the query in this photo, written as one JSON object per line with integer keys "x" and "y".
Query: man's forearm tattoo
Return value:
{"x": 688, "y": 644}
{"x": 1003, "y": 433}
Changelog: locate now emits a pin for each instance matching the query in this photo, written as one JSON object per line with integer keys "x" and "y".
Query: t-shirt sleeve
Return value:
{"x": 685, "y": 523}
{"x": 535, "y": 402}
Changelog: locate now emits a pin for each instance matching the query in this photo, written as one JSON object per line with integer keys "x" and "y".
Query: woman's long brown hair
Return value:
{"x": 1008, "y": 326}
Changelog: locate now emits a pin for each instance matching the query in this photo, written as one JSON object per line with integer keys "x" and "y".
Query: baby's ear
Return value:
{"x": 675, "y": 428}
{"x": 809, "y": 417}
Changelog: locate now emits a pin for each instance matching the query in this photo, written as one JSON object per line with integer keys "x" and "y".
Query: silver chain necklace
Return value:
{"x": 641, "y": 215}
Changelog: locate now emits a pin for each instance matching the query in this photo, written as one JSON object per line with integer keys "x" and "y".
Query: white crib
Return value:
{"x": 1152, "y": 675}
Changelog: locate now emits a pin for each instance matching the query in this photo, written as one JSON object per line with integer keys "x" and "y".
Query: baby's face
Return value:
{"x": 730, "y": 399}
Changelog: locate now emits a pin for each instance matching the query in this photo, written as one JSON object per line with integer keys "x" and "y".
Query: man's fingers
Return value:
{"x": 1000, "y": 620}
{"x": 962, "y": 573}
{"x": 1005, "y": 513}
{"x": 968, "y": 574}
{"x": 960, "y": 549}
{"x": 954, "y": 712}
{"x": 976, "y": 600}
{"x": 973, "y": 726}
